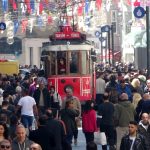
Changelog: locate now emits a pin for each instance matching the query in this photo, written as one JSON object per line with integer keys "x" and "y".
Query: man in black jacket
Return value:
{"x": 134, "y": 140}
{"x": 144, "y": 128}
{"x": 41, "y": 136}
{"x": 42, "y": 97}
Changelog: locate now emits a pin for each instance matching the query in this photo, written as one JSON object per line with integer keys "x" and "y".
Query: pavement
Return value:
{"x": 81, "y": 145}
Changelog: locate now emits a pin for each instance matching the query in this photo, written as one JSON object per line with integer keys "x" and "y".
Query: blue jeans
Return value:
{"x": 27, "y": 120}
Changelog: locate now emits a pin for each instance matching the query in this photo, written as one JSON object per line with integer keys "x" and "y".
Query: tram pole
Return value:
{"x": 109, "y": 46}
{"x": 112, "y": 42}
{"x": 147, "y": 35}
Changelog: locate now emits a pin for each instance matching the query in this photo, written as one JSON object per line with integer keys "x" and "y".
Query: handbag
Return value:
{"x": 100, "y": 138}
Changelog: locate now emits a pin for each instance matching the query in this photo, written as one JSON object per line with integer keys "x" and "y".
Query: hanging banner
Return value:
{"x": 98, "y": 4}
{"x": 4, "y": 5}
{"x": 32, "y": 5}
{"x": 16, "y": 26}
{"x": 87, "y": 6}
{"x": 27, "y": 2}
{"x": 14, "y": 4}
{"x": 24, "y": 25}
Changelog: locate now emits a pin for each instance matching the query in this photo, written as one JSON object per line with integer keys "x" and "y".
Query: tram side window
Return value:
{"x": 84, "y": 62}
{"x": 61, "y": 62}
{"x": 53, "y": 66}
{"x": 74, "y": 68}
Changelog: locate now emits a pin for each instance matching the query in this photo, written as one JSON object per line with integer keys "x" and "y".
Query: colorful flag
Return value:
{"x": 98, "y": 4}
{"x": 14, "y": 4}
{"x": 87, "y": 6}
{"x": 80, "y": 9}
{"x": 4, "y": 5}
{"x": 137, "y": 3}
{"x": 16, "y": 26}
{"x": 27, "y": 2}
{"x": 49, "y": 20}
{"x": 67, "y": 2}
{"x": 41, "y": 8}
{"x": 24, "y": 25}
{"x": 32, "y": 5}
{"x": 39, "y": 21}
{"x": 129, "y": 2}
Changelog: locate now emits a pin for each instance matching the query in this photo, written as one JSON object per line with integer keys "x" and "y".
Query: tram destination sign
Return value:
{"x": 71, "y": 35}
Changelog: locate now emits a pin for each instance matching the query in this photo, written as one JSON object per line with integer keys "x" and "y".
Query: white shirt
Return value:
{"x": 27, "y": 103}
{"x": 133, "y": 139}
{"x": 100, "y": 86}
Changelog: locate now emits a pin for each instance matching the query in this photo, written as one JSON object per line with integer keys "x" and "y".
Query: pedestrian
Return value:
{"x": 28, "y": 108}
{"x": 68, "y": 115}
{"x": 35, "y": 146}
{"x": 54, "y": 129}
{"x": 4, "y": 132}
{"x": 21, "y": 142}
{"x": 124, "y": 113}
{"x": 100, "y": 89}
{"x": 76, "y": 105}
{"x": 106, "y": 113}
{"x": 41, "y": 135}
{"x": 144, "y": 128}
{"x": 133, "y": 140}
{"x": 89, "y": 121}
{"x": 55, "y": 98}
{"x": 5, "y": 144}
{"x": 42, "y": 97}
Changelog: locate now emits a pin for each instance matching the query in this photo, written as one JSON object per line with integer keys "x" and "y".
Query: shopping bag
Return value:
{"x": 100, "y": 138}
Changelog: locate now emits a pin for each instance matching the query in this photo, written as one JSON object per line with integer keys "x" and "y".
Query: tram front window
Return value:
{"x": 61, "y": 62}
{"x": 74, "y": 62}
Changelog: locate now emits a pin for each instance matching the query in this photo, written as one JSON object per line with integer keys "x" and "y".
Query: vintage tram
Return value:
{"x": 67, "y": 62}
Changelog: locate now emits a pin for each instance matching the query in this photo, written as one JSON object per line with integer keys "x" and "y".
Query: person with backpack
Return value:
{"x": 55, "y": 99}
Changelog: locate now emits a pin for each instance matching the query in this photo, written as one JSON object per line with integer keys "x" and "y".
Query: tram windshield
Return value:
{"x": 67, "y": 62}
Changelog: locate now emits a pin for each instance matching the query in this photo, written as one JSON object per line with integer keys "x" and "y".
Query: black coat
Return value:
{"x": 55, "y": 128}
{"x": 68, "y": 117}
{"x": 46, "y": 97}
{"x": 145, "y": 133}
{"x": 41, "y": 137}
{"x": 139, "y": 143}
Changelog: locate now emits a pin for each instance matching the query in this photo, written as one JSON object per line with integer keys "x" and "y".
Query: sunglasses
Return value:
{"x": 5, "y": 146}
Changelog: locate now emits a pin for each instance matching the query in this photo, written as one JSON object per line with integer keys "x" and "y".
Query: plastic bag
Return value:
{"x": 100, "y": 138}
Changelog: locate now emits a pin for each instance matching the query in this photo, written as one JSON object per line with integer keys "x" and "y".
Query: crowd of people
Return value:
{"x": 123, "y": 106}
{"x": 34, "y": 116}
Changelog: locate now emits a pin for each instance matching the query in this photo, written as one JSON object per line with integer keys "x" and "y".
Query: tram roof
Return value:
{"x": 65, "y": 45}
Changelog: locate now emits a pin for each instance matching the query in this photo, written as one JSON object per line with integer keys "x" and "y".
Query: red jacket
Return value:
{"x": 89, "y": 121}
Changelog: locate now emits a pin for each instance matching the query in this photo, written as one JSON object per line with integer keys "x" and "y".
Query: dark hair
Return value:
{"x": 67, "y": 103}
{"x": 87, "y": 105}
{"x": 5, "y": 103}
{"x": 133, "y": 122}
{"x": 49, "y": 113}
{"x": 52, "y": 87}
{"x": 5, "y": 129}
{"x": 42, "y": 120}
{"x": 91, "y": 146}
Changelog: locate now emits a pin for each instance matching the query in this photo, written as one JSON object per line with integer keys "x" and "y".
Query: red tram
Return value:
{"x": 67, "y": 62}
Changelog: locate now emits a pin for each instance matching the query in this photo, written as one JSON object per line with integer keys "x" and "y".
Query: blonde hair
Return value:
{"x": 135, "y": 83}
{"x": 136, "y": 98}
